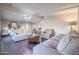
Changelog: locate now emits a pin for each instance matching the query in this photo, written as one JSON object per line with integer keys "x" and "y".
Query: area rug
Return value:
{"x": 31, "y": 46}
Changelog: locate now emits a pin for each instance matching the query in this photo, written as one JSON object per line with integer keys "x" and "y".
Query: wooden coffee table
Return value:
{"x": 33, "y": 40}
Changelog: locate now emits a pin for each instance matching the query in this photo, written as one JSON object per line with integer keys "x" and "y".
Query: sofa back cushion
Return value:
{"x": 72, "y": 48}
{"x": 63, "y": 42}
{"x": 69, "y": 45}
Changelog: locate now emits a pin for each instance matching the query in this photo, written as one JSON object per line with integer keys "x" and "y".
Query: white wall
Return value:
{"x": 78, "y": 19}
{"x": 0, "y": 25}
{"x": 4, "y": 24}
{"x": 0, "y": 28}
{"x": 52, "y": 22}
{"x": 59, "y": 23}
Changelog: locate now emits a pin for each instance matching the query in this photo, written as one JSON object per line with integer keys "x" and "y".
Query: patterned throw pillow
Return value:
{"x": 53, "y": 42}
{"x": 58, "y": 37}
{"x": 50, "y": 43}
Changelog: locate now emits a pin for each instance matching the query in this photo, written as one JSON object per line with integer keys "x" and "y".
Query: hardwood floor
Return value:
{"x": 8, "y": 47}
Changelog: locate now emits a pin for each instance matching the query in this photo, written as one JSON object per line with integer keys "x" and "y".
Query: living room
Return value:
{"x": 27, "y": 29}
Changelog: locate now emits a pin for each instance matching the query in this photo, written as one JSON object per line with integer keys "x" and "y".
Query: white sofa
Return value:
{"x": 47, "y": 33}
{"x": 68, "y": 45}
{"x": 45, "y": 48}
{"x": 19, "y": 37}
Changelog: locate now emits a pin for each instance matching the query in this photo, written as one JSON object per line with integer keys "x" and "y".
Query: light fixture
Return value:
{"x": 14, "y": 25}
{"x": 27, "y": 16}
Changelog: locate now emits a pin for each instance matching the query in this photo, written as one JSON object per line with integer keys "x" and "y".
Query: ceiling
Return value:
{"x": 31, "y": 12}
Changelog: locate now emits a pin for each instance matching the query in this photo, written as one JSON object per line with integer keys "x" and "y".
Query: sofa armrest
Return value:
{"x": 43, "y": 50}
{"x": 50, "y": 43}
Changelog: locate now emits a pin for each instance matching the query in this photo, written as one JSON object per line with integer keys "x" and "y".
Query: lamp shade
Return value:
{"x": 72, "y": 23}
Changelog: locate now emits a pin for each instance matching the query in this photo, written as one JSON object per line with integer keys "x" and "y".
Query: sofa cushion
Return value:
{"x": 43, "y": 50}
{"x": 63, "y": 42}
{"x": 72, "y": 48}
{"x": 50, "y": 43}
{"x": 75, "y": 34}
{"x": 69, "y": 45}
